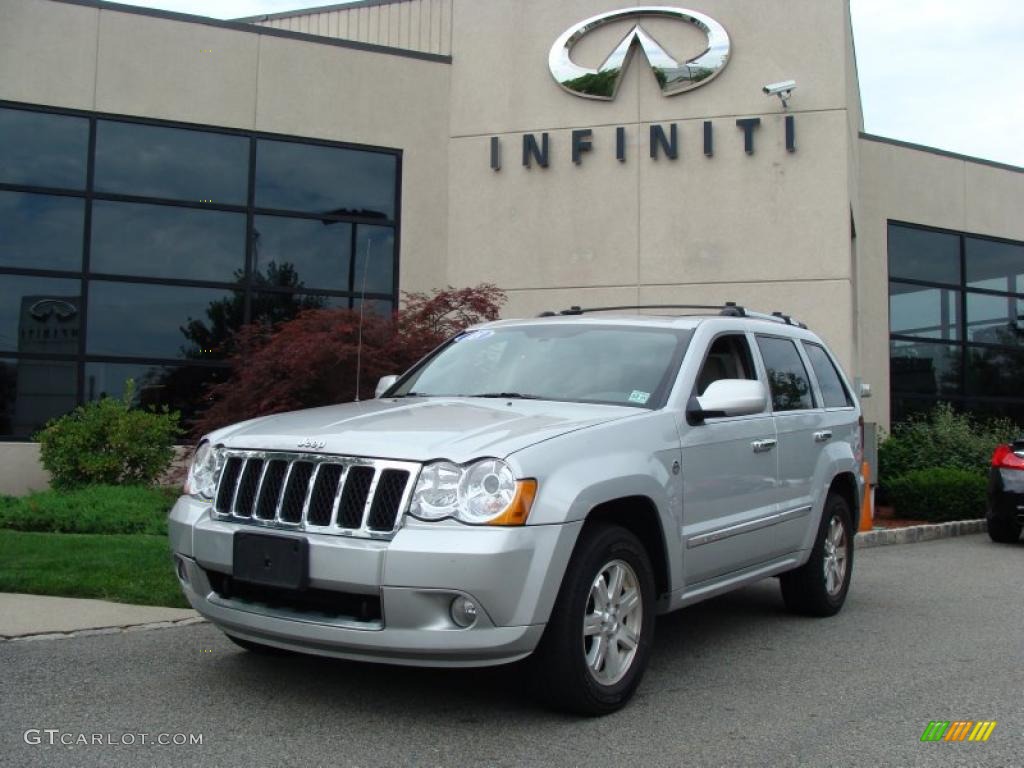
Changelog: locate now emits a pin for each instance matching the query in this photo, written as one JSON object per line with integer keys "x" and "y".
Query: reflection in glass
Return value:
{"x": 921, "y": 254}
{"x": 379, "y": 307}
{"x": 375, "y": 260}
{"x": 157, "y": 320}
{"x": 270, "y": 308}
{"x": 319, "y": 250}
{"x": 325, "y": 180}
{"x": 174, "y": 163}
{"x": 994, "y": 265}
{"x": 167, "y": 241}
{"x": 41, "y": 231}
{"x": 178, "y": 387}
{"x": 673, "y": 76}
{"x": 39, "y": 314}
{"x": 44, "y": 150}
{"x": 924, "y": 368}
{"x": 787, "y": 377}
{"x": 931, "y": 313}
{"x": 833, "y": 392}
{"x": 34, "y": 391}
{"x": 995, "y": 372}
{"x": 995, "y": 320}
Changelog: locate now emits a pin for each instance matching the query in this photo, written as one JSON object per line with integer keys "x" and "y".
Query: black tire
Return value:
{"x": 1003, "y": 530}
{"x": 806, "y": 590}
{"x": 561, "y": 664}
{"x": 263, "y": 650}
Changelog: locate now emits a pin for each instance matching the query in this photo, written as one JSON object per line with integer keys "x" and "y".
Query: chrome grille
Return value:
{"x": 327, "y": 494}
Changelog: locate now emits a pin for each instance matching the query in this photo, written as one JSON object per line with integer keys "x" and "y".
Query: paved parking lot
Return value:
{"x": 932, "y": 631}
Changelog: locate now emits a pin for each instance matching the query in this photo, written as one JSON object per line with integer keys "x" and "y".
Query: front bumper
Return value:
{"x": 512, "y": 574}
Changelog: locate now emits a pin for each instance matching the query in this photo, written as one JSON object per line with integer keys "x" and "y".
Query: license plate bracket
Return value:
{"x": 270, "y": 560}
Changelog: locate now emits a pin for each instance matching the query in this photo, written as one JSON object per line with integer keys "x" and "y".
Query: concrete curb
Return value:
{"x": 103, "y": 630}
{"x": 914, "y": 533}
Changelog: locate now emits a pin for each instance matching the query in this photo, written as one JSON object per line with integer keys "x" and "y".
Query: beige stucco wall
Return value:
{"x": 770, "y": 230}
{"x": 922, "y": 187}
{"x": 128, "y": 63}
{"x": 20, "y": 470}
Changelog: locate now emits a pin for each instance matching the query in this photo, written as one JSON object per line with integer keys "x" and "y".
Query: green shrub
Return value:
{"x": 941, "y": 438}
{"x": 939, "y": 494}
{"x": 93, "y": 509}
{"x": 108, "y": 441}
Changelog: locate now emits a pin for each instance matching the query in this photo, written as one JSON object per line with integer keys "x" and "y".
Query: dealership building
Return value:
{"x": 165, "y": 178}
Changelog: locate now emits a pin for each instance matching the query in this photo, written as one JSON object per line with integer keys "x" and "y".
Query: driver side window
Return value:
{"x": 728, "y": 358}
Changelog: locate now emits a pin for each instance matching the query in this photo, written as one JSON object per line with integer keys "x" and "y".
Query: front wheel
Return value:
{"x": 595, "y": 648}
{"x": 819, "y": 586}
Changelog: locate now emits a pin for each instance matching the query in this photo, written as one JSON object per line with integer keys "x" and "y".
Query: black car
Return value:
{"x": 1006, "y": 492}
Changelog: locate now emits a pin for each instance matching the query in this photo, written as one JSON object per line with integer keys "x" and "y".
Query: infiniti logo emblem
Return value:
{"x": 673, "y": 77}
{"x": 314, "y": 445}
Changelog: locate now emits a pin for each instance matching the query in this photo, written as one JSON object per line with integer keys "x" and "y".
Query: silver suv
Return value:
{"x": 536, "y": 488}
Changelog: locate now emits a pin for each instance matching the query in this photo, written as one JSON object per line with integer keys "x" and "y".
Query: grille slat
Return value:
{"x": 329, "y": 494}
{"x": 353, "y": 497}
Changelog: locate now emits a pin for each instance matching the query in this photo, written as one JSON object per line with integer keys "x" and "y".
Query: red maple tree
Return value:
{"x": 311, "y": 359}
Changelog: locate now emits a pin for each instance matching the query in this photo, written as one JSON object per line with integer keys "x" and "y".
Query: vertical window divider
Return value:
{"x": 354, "y": 243}
{"x": 250, "y": 231}
{"x": 964, "y": 352}
{"x": 83, "y": 301}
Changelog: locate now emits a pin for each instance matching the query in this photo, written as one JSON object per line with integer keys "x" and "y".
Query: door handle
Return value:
{"x": 760, "y": 446}
{"x": 824, "y": 436}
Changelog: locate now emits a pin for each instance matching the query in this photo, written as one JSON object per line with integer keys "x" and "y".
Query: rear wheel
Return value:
{"x": 819, "y": 587}
{"x": 1003, "y": 530}
{"x": 595, "y": 648}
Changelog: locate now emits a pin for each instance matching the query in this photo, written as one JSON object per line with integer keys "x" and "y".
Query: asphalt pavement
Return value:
{"x": 931, "y": 631}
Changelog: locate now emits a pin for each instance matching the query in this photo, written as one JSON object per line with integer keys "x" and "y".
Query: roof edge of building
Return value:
{"x": 317, "y": 9}
{"x": 941, "y": 152}
{"x": 242, "y": 26}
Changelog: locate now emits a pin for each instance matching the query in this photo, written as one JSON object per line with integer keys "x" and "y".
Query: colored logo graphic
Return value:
{"x": 673, "y": 76}
{"x": 958, "y": 730}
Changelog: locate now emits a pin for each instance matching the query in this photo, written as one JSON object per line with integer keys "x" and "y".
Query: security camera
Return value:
{"x": 783, "y": 90}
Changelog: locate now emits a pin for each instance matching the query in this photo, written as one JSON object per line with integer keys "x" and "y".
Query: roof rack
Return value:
{"x": 729, "y": 309}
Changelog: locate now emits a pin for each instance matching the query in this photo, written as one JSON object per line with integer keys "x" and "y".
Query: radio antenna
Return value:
{"x": 362, "y": 306}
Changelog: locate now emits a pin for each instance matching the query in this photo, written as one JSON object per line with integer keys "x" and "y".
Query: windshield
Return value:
{"x": 615, "y": 365}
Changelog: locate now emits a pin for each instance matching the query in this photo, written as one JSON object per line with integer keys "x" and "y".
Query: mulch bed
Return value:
{"x": 885, "y": 518}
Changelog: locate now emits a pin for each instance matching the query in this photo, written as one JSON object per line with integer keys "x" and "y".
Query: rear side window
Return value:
{"x": 787, "y": 377}
{"x": 832, "y": 390}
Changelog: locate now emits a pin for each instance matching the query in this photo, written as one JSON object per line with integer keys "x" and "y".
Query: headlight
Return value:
{"x": 484, "y": 491}
{"x": 204, "y": 472}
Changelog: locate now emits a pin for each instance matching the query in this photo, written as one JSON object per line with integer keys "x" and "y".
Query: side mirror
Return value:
{"x": 384, "y": 385}
{"x": 728, "y": 397}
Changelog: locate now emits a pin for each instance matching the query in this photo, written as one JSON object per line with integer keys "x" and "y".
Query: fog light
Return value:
{"x": 464, "y": 611}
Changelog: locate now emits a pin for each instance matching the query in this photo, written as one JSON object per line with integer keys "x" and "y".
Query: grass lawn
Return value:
{"x": 133, "y": 568}
{"x": 93, "y": 509}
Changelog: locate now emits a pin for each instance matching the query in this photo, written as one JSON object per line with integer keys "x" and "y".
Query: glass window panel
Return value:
{"x": 325, "y": 180}
{"x": 161, "y": 320}
{"x": 375, "y": 260}
{"x": 995, "y": 320}
{"x": 995, "y": 372}
{"x": 832, "y": 390}
{"x": 179, "y": 387}
{"x": 41, "y": 231}
{"x": 1006, "y": 409}
{"x": 34, "y": 391}
{"x": 995, "y": 266}
{"x": 270, "y": 307}
{"x": 924, "y": 255}
{"x": 931, "y": 313}
{"x": 379, "y": 307}
{"x": 787, "y": 377}
{"x": 39, "y": 314}
{"x": 176, "y": 163}
{"x": 924, "y": 368}
{"x": 167, "y": 241}
{"x": 319, "y": 252}
{"x": 42, "y": 149}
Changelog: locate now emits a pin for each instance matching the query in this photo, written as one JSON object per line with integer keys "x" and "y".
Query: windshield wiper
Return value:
{"x": 508, "y": 395}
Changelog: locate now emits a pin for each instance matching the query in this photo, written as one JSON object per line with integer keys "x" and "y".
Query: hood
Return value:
{"x": 457, "y": 429}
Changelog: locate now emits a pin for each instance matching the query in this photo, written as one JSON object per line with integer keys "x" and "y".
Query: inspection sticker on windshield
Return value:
{"x": 483, "y": 333}
{"x": 636, "y": 396}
